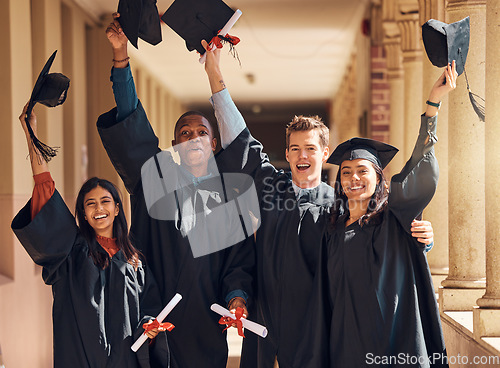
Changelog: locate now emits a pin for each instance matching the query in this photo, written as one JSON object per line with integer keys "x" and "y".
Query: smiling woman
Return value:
{"x": 102, "y": 291}
{"x": 374, "y": 298}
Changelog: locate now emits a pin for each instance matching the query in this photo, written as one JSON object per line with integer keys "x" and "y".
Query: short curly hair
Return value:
{"x": 303, "y": 123}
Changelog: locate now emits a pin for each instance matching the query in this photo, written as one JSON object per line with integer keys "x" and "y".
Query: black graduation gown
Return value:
{"x": 287, "y": 245}
{"x": 95, "y": 312}
{"x": 374, "y": 303}
{"x": 197, "y": 340}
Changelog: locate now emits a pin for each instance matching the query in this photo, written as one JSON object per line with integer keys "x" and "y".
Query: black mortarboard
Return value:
{"x": 197, "y": 20}
{"x": 140, "y": 19}
{"x": 368, "y": 149}
{"x": 447, "y": 42}
{"x": 49, "y": 90}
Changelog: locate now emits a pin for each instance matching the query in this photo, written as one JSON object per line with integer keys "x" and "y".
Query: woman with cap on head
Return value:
{"x": 102, "y": 291}
{"x": 375, "y": 303}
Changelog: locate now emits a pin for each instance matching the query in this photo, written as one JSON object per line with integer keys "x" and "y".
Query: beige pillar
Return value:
{"x": 46, "y": 36}
{"x": 465, "y": 281}
{"x": 408, "y": 22}
{"x": 169, "y": 115}
{"x": 395, "y": 76}
{"x": 100, "y": 99}
{"x": 431, "y": 9}
{"x": 487, "y": 317}
{"x": 75, "y": 108}
{"x": 153, "y": 106}
{"x": 22, "y": 291}
{"x": 344, "y": 107}
{"x": 437, "y": 210}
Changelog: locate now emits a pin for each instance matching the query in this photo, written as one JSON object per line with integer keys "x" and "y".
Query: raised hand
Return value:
{"x": 38, "y": 165}
{"x": 212, "y": 68}
{"x": 32, "y": 121}
{"x": 118, "y": 42}
{"x": 445, "y": 83}
{"x": 115, "y": 33}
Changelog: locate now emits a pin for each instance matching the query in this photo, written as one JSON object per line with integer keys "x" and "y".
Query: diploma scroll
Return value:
{"x": 163, "y": 314}
{"x": 223, "y": 32}
{"x": 249, "y": 325}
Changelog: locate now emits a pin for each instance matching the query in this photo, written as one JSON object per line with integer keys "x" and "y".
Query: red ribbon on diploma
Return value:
{"x": 165, "y": 326}
{"x": 229, "y": 321}
{"x": 217, "y": 40}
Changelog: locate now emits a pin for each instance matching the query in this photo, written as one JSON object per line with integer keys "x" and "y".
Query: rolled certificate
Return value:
{"x": 224, "y": 31}
{"x": 249, "y": 325}
{"x": 163, "y": 314}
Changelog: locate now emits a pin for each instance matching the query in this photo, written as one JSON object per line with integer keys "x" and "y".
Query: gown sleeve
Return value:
{"x": 244, "y": 154}
{"x": 124, "y": 92}
{"x": 413, "y": 188}
{"x": 42, "y": 191}
{"x": 128, "y": 143}
{"x": 49, "y": 236}
{"x": 237, "y": 274}
{"x": 229, "y": 119}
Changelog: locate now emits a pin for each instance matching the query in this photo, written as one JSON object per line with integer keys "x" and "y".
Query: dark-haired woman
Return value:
{"x": 102, "y": 291}
{"x": 375, "y": 304}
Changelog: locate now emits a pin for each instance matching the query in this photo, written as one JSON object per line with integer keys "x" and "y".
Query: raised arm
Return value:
{"x": 125, "y": 131}
{"x": 413, "y": 188}
{"x": 123, "y": 84}
{"x": 38, "y": 165}
{"x": 229, "y": 119}
{"x": 44, "y": 185}
{"x": 241, "y": 152}
{"x": 44, "y": 226}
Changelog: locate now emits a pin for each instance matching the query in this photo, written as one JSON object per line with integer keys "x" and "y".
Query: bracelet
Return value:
{"x": 121, "y": 61}
{"x": 436, "y": 105}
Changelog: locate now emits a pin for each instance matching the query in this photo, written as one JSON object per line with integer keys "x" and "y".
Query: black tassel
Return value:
{"x": 477, "y": 106}
{"x": 41, "y": 149}
{"x": 232, "y": 48}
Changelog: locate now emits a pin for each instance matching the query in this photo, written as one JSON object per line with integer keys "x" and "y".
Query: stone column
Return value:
{"x": 22, "y": 292}
{"x": 465, "y": 281}
{"x": 378, "y": 124}
{"x": 408, "y": 23}
{"x": 46, "y": 34}
{"x": 437, "y": 210}
{"x": 395, "y": 76}
{"x": 487, "y": 316}
{"x": 100, "y": 99}
{"x": 75, "y": 108}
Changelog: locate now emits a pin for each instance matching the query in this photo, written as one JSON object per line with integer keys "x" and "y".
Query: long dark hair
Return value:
{"x": 120, "y": 228}
{"x": 376, "y": 205}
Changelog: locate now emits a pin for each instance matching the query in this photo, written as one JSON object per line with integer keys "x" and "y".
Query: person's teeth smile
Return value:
{"x": 99, "y": 217}
{"x": 359, "y": 187}
{"x": 303, "y": 167}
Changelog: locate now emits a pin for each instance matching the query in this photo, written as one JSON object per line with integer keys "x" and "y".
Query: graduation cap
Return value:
{"x": 363, "y": 148}
{"x": 447, "y": 42}
{"x": 140, "y": 19}
{"x": 197, "y": 20}
{"x": 49, "y": 90}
